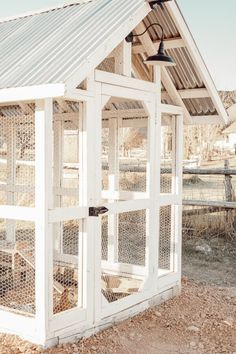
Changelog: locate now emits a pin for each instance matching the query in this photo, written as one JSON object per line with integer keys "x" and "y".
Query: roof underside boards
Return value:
{"x": 49, "y": 47}
{"x": 185, "y": 75}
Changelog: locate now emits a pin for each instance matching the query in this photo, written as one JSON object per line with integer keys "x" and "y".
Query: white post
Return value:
{"x": 179, "y": 188}
{"x": 157, "y": 163}
{"x": 57, "y": 179}
{"x": 155, "y": 188}
{"x": 43, "y": 202}
{"x": 11, "y": 179}
{"x": 90, "y": 192}
{"x": 123, "y": 59}
{"x": 113, "y": 185}
{"x": 174, "y": 191}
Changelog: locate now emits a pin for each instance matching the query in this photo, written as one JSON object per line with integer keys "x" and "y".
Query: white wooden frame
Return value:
{"x": 93, "y": 309}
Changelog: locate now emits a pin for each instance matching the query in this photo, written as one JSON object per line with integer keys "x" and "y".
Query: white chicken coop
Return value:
{"x": 90, "y": 189}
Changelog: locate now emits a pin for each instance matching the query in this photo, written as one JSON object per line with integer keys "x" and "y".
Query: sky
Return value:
{"x": 212, "y": 23}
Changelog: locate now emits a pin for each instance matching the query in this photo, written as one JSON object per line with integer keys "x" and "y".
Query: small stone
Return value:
{"x": 229, "y": 321}
{"x": 158, "y": 314}
{"x": 206, "y": 249}
{"x": 201, "y": 346}
{"x": 192, "y": 344}
{"x": 232, "y": 293}
{"x": 193, "y": 329}
{"x": 132, "y": 335}
{"x": 93, "y": 348}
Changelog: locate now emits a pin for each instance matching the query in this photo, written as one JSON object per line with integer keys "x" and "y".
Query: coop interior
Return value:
{"x": 124, "y": 176}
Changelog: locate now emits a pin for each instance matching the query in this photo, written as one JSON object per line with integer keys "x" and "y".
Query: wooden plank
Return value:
{"x": 170, "y": 109}
{"x": 209, "y": 171}
{"x": 124, "y": 81}
{"x": 170, "y": 43}
{"x": 209, "y": 119}
{"x": 194, "y": 93}
{"x": 124, "y": 92}
{"x": 31, "y": 93}
{"x": 123, "y": 59}
{"x": 216, "y": 204}
{"x": 18, "y": 213}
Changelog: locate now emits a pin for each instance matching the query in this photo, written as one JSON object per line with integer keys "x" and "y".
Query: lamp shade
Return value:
{"x": 160, "y": 58}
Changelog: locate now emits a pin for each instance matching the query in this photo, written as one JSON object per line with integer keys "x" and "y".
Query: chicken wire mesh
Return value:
{"x": 66, "y": 130}
{"x": 129, "y": 234}
{"x": 66, "y": 267}
{"x": 166, "y": 241}
{"x": 133, "y": 158}
{"x": 17, "y": 160}
{"x": 124, "y": 155}
{"x": 17, "y": 267}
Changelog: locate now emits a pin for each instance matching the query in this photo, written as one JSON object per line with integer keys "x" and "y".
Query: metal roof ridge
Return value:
{"x": 43, "y": 10}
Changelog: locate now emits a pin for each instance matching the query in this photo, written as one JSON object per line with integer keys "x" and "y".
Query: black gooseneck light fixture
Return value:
{"x": 157, "y": 59}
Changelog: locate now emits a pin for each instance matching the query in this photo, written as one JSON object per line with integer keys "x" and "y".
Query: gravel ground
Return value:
{"x": 201, "y": 320}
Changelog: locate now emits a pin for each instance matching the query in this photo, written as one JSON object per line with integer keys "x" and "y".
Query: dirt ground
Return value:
{"x": 200, "y": 321}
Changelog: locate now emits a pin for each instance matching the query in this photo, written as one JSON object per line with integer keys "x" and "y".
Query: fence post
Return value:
{"x": 229, "y": 192}
{"x": 228, "y": 184}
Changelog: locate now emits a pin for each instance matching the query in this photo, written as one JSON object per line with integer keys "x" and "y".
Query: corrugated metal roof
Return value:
{"x": 48, "y": 47}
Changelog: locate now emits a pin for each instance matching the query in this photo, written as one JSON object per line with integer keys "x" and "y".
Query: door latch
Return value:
{"x": 96, "y": 211}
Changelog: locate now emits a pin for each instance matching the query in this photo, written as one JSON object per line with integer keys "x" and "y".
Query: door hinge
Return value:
{"x": 96, "y": 211}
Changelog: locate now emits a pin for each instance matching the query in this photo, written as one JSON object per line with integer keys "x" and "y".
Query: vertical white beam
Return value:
{"x": 123, "y": 59}
{"x": 157, "y": 167}
{"x": 174, "y": 176}
{"x": 179, "y": 188}
{"x": 97, "y": 194}
{"x": 151, "y": 214}
{"x": 11, "y": 178}
{"x": 43, "y": 202}
{"x": 57, "y": 179}
{"x": 90, "y": 177}
{"x": 113, "y": 185}
{"x": 174, "y": 190}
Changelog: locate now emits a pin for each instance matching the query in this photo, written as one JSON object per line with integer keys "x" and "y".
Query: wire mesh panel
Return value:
{"x": 17, "y": 156}
{"x": 66, "y": 158}
{"x": 66, "y": 268}
{"x": 119, "y": 276}
{"x": 167, "y": 239}
{"x": 17, "y": 268}
{"x": 133, "y": 158}
{"x": 132, "y": 237}
{"x": 124, "y": 146}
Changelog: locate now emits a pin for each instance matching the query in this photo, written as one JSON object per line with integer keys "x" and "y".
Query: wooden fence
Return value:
{"x": 229, "y": 202}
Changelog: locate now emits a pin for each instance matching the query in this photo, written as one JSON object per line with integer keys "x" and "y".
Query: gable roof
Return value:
{"x": 56, "y": 44}
{"x": 48, "y": 47}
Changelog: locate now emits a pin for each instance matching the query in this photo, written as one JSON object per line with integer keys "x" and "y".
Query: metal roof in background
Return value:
{"x": 48, "y": 47}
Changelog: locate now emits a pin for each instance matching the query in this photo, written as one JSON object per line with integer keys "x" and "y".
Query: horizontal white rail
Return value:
{"x": 128, "y": 206}
{"x": 66, "y": 214}
{"x": 17, "y": 213}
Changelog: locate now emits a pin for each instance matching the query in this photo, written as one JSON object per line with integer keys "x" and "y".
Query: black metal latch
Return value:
{"x": 93, "y": 211}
